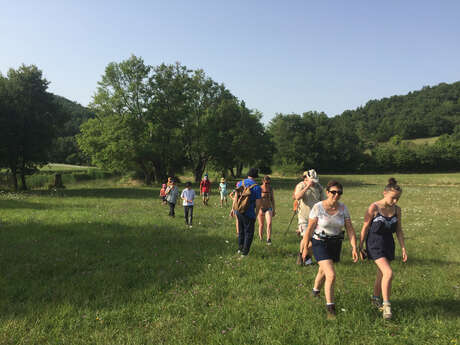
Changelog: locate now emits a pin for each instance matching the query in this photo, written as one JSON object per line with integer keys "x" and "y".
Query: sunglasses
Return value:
{"x": 334, "y": 192}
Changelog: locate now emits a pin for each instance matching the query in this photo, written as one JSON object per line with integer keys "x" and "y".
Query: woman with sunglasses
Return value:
{"x": 326, "y": 220}
{"x": 382, "y": 219}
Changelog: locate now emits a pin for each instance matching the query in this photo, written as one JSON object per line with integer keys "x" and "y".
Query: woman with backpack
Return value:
{"x": 267, "y": 209}
{"x": 326, "y": 220}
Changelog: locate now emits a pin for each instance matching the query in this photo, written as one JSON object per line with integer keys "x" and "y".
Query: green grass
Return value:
{"x": 422, "y": 141}
{"x": 100, "y": 263}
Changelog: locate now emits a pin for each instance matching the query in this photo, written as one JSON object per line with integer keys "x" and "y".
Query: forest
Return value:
{"x": 158, "y": 121}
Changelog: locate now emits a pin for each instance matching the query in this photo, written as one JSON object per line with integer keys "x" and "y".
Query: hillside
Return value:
{"x": 429, "y": 112}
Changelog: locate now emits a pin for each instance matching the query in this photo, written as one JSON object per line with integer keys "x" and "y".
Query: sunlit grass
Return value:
{"x": 100, "y": 263}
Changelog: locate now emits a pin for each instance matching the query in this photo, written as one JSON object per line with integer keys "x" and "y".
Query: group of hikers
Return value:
{"x": 321, "y": 218}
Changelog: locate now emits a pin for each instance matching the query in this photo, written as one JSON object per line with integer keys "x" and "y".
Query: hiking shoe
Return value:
{"x": 299, "y": 259}
{"x": 315, "y": 294}
{"x": 387, "y": 311}
{"x": 269, "y": 242}
{"x": 330, "y": 310}
{"x": 377, "y": 302}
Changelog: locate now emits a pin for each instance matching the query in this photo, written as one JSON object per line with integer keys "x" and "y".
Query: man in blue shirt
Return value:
{"x": 247, "y": 219}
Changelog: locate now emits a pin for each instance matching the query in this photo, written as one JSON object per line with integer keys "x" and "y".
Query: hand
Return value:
{"x": 309, "y": 184}
{"x": 354, "y": 254}
{"x": 362, "y": 254}
{"x": 232, "y": 213}
{"x": 404, "y": 255}
{"x": 273, "y": 213}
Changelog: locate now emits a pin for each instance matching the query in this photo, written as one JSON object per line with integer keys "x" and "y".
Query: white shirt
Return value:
{"x": 188, "y": 194}
{"x": 330, "y": 224}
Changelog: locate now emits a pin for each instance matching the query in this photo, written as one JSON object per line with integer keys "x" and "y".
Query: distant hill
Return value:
{"x": 65, "y": 147}
{"x": 430, "y": 112}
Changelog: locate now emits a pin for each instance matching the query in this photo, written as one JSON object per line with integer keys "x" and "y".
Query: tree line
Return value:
{"x": 159, "y": 121}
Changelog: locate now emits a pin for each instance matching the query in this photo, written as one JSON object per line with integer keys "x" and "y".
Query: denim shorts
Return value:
{"x": 327, "y": 250}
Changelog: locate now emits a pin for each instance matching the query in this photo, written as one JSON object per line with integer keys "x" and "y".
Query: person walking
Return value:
{"x": 307, "y": 192}
{"x": 205, "y": 189}
{"x": 188, "y": 197}
{"x": 246, "y": 220}
{"x": 267, "y": 209}
{"x": 163, "y": 194}
{"x": 382, "y": 219}
{"x": 324, "y": 230}
{"x": 172, "y": 192}
{"x": 223, "y": 192}
{"x": 233, "y": 196}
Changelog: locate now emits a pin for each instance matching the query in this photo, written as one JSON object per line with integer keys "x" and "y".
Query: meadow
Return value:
{"x": 102, "y": 263}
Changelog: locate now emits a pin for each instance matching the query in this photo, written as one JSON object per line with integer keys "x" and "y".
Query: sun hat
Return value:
{"x": 312, "y": 175}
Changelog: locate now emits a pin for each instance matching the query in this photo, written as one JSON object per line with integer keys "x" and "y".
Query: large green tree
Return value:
{"x": 29, "y": 121}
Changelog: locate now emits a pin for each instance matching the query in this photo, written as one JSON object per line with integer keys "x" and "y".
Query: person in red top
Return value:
{"x": 205, "y": 189}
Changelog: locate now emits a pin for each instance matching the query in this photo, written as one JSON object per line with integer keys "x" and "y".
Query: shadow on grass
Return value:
{"x": 22, "y": 204}
{"x": 104, "y": 193}
{"x": 96, "y": 265}
{"x": 430, "y": 308}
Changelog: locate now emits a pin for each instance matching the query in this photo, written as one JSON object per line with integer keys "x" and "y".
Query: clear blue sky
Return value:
{"x": 291, "y": 56}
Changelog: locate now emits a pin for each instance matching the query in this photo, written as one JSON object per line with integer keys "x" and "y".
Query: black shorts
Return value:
{"x": 327, "y": 250}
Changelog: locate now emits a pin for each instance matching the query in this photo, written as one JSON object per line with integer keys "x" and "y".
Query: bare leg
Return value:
{"x": 268, "y": 218}
{"x": 378, "y": 283}
{"x": 260, "y": 218}
{"x": 327, "y": 267}
{"x": 319, "y": 280}
{"x": 387, "y": 277}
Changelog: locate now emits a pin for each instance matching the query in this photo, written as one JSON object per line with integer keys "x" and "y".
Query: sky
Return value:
{"x": 277, "y": 56}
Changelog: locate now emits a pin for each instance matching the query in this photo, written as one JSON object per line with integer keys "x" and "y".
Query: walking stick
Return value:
{"x": 294, "y": 212}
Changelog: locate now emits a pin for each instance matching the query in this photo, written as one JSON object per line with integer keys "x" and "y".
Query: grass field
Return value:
{"x": 101, "y": 263}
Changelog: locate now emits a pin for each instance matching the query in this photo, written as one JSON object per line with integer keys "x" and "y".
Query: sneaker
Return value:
{"x": 299, "y": 260}
{"x": 330, "y": 310}
{"x": 315, "y": 294}
{"x": 308, "y": 262}
{"x": 387, "y": 311}
{"x": 269, "y": 242}
{"x": 377, "y": 302}
{"x": 190, "y": 226}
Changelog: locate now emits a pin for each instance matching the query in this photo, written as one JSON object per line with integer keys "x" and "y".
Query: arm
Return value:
{"x": 299, "y": 193}
{"x": 273, "y": 203}
{"x": 352, "y": 237}
{"x": 312, "y": 222}
{"x": 400, "y": 235}
{"x": 258, "y": 205}
{"x": 368, "y": 216}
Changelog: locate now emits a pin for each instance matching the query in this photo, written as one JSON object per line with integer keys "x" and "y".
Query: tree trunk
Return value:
{"x": 239, "y": 169}
{"x": 23, "y": 181}
{"x": 159, "y": 173}
{"x": 199, "y": 170}
{"x": 58, "y": 181}
{"x": 14, "y": 179}
{"x": 232, "y": 173}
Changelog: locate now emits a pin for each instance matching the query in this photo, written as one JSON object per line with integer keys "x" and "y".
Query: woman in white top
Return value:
{"x": 326, "y": 220}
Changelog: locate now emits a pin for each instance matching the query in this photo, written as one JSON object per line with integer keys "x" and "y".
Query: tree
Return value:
{"x": 29, "y": 121}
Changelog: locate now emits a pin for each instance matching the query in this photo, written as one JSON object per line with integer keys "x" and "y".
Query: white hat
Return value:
{"x": 312, "y": 175}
